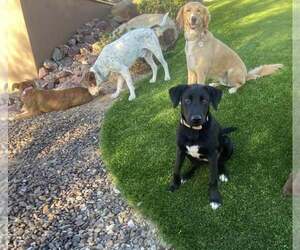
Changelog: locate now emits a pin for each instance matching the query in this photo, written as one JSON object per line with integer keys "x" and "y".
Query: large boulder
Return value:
{"x": 124, "y": 11}
{"x": 167, "y": 34}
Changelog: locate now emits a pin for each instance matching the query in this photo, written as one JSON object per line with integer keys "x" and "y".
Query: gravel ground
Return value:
{"x": 60, "y": 194}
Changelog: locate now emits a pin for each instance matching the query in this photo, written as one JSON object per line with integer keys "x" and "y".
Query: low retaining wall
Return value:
{"x": 39, "y": 26}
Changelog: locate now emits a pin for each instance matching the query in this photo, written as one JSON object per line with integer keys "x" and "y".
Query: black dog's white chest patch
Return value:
{"x": 193, "y": 151}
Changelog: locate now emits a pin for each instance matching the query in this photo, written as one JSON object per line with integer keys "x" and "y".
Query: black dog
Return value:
{"x": 199, "y": 136}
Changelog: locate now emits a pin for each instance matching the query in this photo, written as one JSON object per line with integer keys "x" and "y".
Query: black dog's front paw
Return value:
{"x": 173, "y": 187}
{"x": 175, "y": 184}
{"x": 215, "y": 199}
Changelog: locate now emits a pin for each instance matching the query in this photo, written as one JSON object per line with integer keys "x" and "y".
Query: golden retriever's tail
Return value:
{"x": 263, "y": 70}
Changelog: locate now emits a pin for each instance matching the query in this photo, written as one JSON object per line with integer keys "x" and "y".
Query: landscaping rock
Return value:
{"x": 89, "y": 39}
{"x": 74, "y": 50}
{"x": 43, "y": 72}
{"x": 50, "y": 65}
{"x": 79, "y": 38}
{"x": 48, "y": 85}
{"x": 57, "y": 54}
{"x": 104, "y": 26}
{"x": 66, "y": 61}
{"x": 124, "y": 11}
{"x": 85, "y": 30}
{"x": 62, "y": 74}
{"x": 72, "y": 42}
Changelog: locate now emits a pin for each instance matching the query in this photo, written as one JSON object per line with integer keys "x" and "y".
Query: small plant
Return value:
{"x": 160, "y": 6}
{"x": 105, "y": 39}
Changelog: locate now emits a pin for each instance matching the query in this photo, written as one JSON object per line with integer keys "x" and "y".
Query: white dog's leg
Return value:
{"x": 161, "y": 59}
{"x": 126, "y": 75}
{"x": 149, "y": 59}
{"x": 119, "y": 87}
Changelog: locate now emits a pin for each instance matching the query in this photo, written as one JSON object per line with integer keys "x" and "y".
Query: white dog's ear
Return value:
{"x": 90, "y": 77}
{"x": 179, "y": 18}
{"x": 206, "y": 20}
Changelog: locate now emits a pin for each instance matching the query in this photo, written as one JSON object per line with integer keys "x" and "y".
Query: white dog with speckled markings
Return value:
{"x": 121, "y": 54}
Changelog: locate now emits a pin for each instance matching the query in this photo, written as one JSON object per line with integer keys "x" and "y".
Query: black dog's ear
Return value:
{"x": 215, "y": 96}
{"x": 176, "y": 93}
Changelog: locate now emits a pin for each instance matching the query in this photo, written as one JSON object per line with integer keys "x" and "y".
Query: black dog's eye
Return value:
{"x": 187, "y": 101}
{"x": 203, "y": 100}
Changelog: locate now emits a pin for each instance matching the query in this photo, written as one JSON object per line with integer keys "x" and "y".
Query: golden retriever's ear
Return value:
{"x": 180, "y": 18}
{"x": 15, "y": 86}
{"x": 206, "y": 20}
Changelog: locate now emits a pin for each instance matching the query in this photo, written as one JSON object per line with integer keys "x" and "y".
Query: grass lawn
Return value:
{"x": 138, "y": 141}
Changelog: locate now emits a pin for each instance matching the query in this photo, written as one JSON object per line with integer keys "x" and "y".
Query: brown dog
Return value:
{"x": 208, "y": 57}
{"x": 23, "y": 85}
{"x": 37, "y": 101}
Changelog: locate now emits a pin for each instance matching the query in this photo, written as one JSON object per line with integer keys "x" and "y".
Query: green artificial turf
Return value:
{"x": 138, "y": 141}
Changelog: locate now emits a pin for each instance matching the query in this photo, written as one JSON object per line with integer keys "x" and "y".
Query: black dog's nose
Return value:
{"x": 196, "y": 119}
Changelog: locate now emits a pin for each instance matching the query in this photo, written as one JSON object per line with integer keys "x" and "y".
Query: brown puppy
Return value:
{"x": 23, "y": 85}
{"x": 208, "y": 57}
{"x": 37, "y": 101}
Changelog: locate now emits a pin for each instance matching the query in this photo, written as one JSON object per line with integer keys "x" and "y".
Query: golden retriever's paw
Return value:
{"x": 152, "y": 80}
{"x": 131, "y": 97}
{"x": 214, "y": 84}
{"x": 167, "y": 78}
{"x": 232, "y": 90}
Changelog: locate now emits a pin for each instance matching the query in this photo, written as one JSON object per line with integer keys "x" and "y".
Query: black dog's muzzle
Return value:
{"x": 198, "y": 127}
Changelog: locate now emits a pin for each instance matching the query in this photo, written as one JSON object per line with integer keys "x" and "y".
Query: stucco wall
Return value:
{"x": 18, "y": 53}
{"x": 39, "y": 26}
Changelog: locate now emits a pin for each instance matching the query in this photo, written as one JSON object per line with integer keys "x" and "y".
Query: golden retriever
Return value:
{"x": 208, "y": 57}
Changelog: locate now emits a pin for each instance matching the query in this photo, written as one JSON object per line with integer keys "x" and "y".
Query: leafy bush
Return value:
{"x": 160, "y": 6}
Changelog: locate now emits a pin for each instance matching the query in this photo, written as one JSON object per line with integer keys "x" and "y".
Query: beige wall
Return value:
{"x": 18, "y": 52}
{"x": 38, "y": 26}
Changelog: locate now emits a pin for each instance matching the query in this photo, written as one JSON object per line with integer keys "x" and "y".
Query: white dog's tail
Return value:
{"x": 165, "y": 19}
{"x": 263, "y": 70}
{"x": 163, "y": 22}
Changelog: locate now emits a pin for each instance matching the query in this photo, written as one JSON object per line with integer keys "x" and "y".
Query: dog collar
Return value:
{"x": 183, "y": 122}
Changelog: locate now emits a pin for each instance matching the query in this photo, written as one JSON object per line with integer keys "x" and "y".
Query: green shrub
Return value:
{"x": 160, "y": 6}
